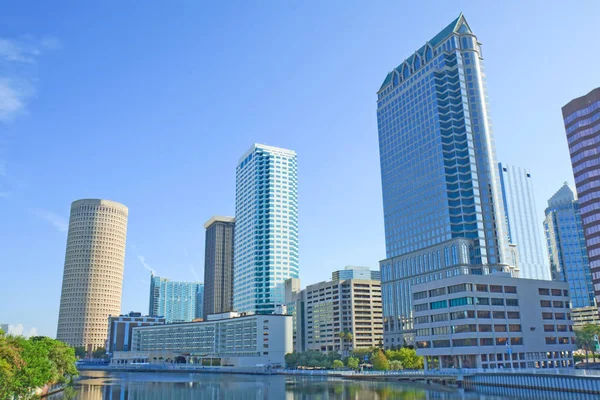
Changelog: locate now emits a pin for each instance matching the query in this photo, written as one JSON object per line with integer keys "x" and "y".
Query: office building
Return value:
{"x": 226, "y": 339}
{"x": 582, "y": 124}
{"x": 120, "y": 329}
{"x": 566, "y": 247}
{"x": 218, "y": 265}
{"x": 266, "y": 228}
{"x": 93, "y": 273}
{"x": 176, "y": 301}
{"x": 339, "y": 315}
{"x": 585, "y": 315}
{"x": 295, "y": 308}
{"x": 442, "y": 201}
{"x": 493, "y": 321}
{"x": 353, "y": 272}
{"x": 524, "y": 229}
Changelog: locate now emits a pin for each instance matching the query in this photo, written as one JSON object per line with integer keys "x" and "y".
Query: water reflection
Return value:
{"x": 179, "y": 386}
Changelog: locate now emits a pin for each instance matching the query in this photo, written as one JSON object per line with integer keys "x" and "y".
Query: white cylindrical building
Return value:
{"x": 93, "y": 274}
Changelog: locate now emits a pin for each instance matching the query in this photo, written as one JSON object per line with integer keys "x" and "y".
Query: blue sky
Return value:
{"x": 151, "y": 104}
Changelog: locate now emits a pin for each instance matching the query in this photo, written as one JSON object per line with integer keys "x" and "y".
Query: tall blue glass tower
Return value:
{"x": 442, "y": 201}
{"x": 566, "y": 247}
{"x": 176, "y": 301}
{"x": 266, "y": 228}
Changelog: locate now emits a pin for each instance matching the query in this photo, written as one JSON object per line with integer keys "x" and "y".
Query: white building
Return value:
{"x": 238, "y": 341}
{"x": 493, "y": 321}
{"x": 266, "y": 228}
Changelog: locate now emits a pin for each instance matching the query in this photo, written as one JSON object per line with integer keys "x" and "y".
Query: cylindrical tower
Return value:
{"x": 93, "y": 275}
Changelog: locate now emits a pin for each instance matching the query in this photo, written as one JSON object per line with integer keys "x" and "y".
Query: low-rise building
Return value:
{"x": 232, "y": 339}
{"x": 585, "y": 315}
{"x": 120, "y": 329}
{"x": 493, "y": 321}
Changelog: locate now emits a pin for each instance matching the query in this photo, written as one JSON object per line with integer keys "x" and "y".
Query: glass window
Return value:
{"x": 544, "y": 292}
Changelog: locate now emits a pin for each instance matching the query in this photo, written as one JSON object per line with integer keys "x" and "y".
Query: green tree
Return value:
{"x": 100, "y": 352}
{"x": 584, "y": 338}
{"x": 291, "y": 360}
{"x": 395, "y": 365}
{"x": 80, "y": 352}
{"x": 338, "y": 364}
{"x": 379, "y": 361}
{"x": 10, "y": 363}
{"x": 352, "y": 363}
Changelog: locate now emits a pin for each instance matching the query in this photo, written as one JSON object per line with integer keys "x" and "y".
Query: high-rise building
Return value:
{"x": 266, "y": 228}
{"x": 120, "y": 329}
{"x": 442, "y": 201}
{"x": 353, "y": 272}
{"x": 176, "y": 301}
{"x": 218, "y": 265}
{"x": 524, "y": 228}
{"x": 566, "y": 247}
{"x": 582, "y": 124}
{"x": 93, "y": 274}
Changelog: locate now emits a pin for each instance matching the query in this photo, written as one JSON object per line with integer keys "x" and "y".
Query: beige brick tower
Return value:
{"x": 93, "y": 275}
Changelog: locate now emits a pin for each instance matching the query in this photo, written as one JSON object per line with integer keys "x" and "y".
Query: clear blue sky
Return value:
{"x": 151, "y": 104}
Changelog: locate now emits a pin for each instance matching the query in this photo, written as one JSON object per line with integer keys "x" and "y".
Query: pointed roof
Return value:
{"x": 457, "y": 26}
{"x": 563, "y": 195}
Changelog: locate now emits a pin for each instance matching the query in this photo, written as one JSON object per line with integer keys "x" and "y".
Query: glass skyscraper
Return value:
{"x": 443, "y": 209}
{"x": 566, "y": 247}
{"x": 176, "y": 301}
{"x": 266, "y": 228}
{"x": 582, "y": 124}
{"x": 524, "y": 228}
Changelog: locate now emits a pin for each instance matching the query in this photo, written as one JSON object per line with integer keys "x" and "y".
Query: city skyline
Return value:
{"x": 341, "y": 191}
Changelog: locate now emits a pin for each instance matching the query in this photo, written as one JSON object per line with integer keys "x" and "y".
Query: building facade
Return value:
{"x": 218, "y": 265}
{"x": 238, "y": 341}
{"x": 493, "y": 321}
{"x": 582, "y": 124}
{"x": 566, "y": 247}
{"x": 295, "y": 308}
{"x": 523, "y": 225}
{"x": 440, "y": 183}
{"x": 120, "y": 329}
{"x": 353, "y": 272}
{"x": 266, "y": 228}
{"x": 93, "y": 274}
{"x": 585, "y": 315}
{"x": 176, "y": 301}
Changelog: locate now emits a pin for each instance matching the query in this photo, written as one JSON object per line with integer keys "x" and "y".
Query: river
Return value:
{"x": 100, "y": 385}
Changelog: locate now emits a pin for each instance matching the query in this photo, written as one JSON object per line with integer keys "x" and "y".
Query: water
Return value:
{"x": 100, "y": 385}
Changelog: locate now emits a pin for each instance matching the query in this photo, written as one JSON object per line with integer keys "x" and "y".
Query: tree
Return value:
{"x": 584, "y": 338}
{"x": 100, "y": 352}
{"x": 338, "y": 364}
{"x": 379, "y": 361}
{"x": 80, "y": 352}
{"x": 395, "y": 365}
{"x": 407, "y": 356}
{"x": 353, "y": 363}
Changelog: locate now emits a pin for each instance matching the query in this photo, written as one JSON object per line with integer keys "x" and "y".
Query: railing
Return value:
{"x": 448, "y": 372}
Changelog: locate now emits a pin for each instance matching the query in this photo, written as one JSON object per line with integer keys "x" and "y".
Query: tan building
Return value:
{"x": 585, "y": 315}
{"x": 351, "y": 307}
{"x": 93, "y": 273}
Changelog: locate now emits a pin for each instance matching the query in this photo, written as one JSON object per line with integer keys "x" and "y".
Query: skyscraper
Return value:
{"x": 218, "y": 265}
{"x": 524, "y": 229}
{"x": 93, "y": 274}
{"x": 582, "y": 124}
{"x": 266, "y": 228}
{"x": 566, "y": 247}
{"x": 442, "y": 200}
{"x": 176, "y": 301}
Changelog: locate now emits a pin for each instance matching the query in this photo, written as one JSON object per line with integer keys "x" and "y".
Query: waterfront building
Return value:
{"x": 442, "y": 199}
{"x": 295, "y": 308}
{"x": 176, "y": 301}
{"x": 266, "y": 228}
{"x": 524, "y": 229}
{"x": 566, "y": 247}
{"x": 348, "y": 307}
{"x": 93, "y": 273}
{"x": 493, "y": 321}
{"x": 585, "y": 315}
{"x": 227, "y": 339}
{"x": 120, "y": 329}
{"x": 353, "y": 272}
{"x": 582, "y": 125}
{"x": 218, "y": 265}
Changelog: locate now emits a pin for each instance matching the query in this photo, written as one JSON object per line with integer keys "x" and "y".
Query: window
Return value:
{"x": 548, "y": 328}
{"x": 486, "y": 342}
{"x": 501, "y": 341}
{"x": 420, "y": 307}
{"x": 462, "y": 315}
{"x": 556, "y": 292}
{"x": 464, "y": 342}
{"x": 436, "y": 305}
{"x": 437, "y": 292}
{"x": 423, "y": 332}
{"x": 484, "y": 301}
{"x": 546, "y": 315}
{"x": 422, "y": 320}
{"x": 514, "y": 328}
{"x": 516, "y": 341}
{"x": 423, "y": 345}
{"x": 440, "y": 330}
{"x": 497, "y": 301}
{"x": 495, "y": 289}
{"x": 441, "y": 343}
{"x": 512, "y": 302}
{"x": 563, "y": 340}
{"x": 483, "y": 314}
{"x": 545, "y": 303}
{"x": 439, "y": 317}
{"x": 499, "y": 328}
{"x": 550, "y": 340}
{"x": 481, "y": 288}
{"x": 420, "y": 295}
{"x": 510, "y": 289}
{"x": 464, "y": 328}
{"x": 544, "y": 292}
{"x": 557, "y": 304}
{"x": 485, "y": 328}
{"x": 559, "y": 316}
{"x": 459, "y": 288}
{"x": 461, "y": 301}
{"x": 499, "y": 315}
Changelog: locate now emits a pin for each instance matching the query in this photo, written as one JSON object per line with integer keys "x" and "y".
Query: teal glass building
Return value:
{"x": 442, "y": 202}
{"x": 566, "y": 246}
{"x": 176, "y": 301}
{"x": 266, "y": 228}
